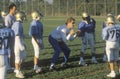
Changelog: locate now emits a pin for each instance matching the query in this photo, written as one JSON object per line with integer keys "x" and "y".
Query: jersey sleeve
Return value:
{"x": 104, "y": 34}
{"x": 81, "y": 25}
{"x": 33, "y": 29}
{"x": 63, "y": 34}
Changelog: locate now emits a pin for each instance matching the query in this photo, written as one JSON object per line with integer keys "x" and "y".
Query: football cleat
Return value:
{"x": 64, "y": 65}
{"x": 52, "y": 68}
{"x": 82, "y": 63}
{"x": 19, "y": 75}
{"x": 111, "y": 75}
{"x": 38, "y": 70}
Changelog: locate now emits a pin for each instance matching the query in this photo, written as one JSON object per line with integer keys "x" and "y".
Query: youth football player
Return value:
{"x": 36, "y": 32}
{"x": 5, "y": 36}
{"x": 19, "y": 47}
{"x": 111, "y": 34}
{"x": 86, "y": 29}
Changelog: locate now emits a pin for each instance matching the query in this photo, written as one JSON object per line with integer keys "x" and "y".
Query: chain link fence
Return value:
{"x": 65, "y": 7}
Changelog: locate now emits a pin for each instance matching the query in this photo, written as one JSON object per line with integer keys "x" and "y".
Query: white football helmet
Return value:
{"x": 20, "y": 16}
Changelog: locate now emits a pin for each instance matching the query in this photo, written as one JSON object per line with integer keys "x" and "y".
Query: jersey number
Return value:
{"x": 117, "y": 32}
{"x": 4, "y": 42}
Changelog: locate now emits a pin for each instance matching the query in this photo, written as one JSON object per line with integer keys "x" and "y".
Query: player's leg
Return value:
{"x": 36, "y": 56}
{"x": 57, "y": 50}
{"x": 66, "y": 52}
{"x": 83, "y": 48}
{"x": 92, "y": 46}
{"x": 17, "y": 70}
{"x": 116, "y": 56}
{"x": 110, "y": 56}
{"x": 3, "y": 68}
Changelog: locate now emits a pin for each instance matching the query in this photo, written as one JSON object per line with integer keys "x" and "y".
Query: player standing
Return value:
{"x": 103, "y": 26}
{"x": 19, "y": 47}
{"x": 86, "y": 29}
{"x": 36, "y": 32}
{"x": 9, "y": 20}
{"x": 5, "y": 36}
{"x": 58, "y": 39}
{"x": 111, "y": 34}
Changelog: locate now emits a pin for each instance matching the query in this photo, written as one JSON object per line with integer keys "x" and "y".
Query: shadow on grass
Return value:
{"x": 45, "y": 63}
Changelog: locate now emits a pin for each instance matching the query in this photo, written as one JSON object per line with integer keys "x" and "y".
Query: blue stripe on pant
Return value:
{"x": 58, "y": 47}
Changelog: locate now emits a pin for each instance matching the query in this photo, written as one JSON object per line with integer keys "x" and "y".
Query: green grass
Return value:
{"x": 93, "y": 71}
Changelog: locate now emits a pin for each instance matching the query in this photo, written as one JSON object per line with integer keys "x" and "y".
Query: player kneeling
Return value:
{"x": 19, "y": 46}
{"x": 111, "y": 34}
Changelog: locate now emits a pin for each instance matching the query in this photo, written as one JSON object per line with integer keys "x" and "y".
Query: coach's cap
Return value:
{"x": 110, "y": 20}
{"x": 84, "y": 14}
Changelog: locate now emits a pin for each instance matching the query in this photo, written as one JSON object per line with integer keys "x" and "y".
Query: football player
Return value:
{"x": 19, "y": 47}
{"x": 86, "y": 29}
{"x": 9, "y": 20}
{"x": 103, "y": 26}
{"x": 111, "y": 34}
{"x": 58, "y": 38}
{"x": 5, "y": 36}
{"x": 36, "y": 32}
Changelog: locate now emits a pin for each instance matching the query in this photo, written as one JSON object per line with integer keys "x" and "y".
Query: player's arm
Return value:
{"x": 33, "y": 33}
{"x": 80, "y": 28}
{"x": 104, "y": 34}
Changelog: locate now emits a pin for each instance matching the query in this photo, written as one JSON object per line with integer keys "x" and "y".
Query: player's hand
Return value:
{"x": 72, "y": 32}
{"x": 78, "y": 32}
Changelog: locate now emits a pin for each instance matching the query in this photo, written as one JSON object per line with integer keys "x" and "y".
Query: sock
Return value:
{"x": 81, "y": 59}
{"x": 17, "y": 71}
{"x": 113, "y": 71}
{"x": 35, "y": 67}
{"x": 93, "y": 58}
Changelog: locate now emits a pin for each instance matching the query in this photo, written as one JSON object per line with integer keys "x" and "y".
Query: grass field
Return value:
{"x": 92, "y": 71}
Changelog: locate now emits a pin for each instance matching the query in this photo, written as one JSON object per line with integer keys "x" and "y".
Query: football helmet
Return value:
{"x": 35, "y": 15}
{"x": 3, "y": 13}
{"x": 118, "y": 17}
{"x": 20, "y": 16}
{"x": 84, "y": 15}
{"x": 110, "y": 20}
{"x": 109, "y": 14}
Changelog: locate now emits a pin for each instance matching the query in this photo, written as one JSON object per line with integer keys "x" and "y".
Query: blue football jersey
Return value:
{"x": 111, "y": 33}
{"x": 86, "y": 27}
{"x": 36, "y": 28}
{"x": 5, "y": 36}
{"x": 18, "y": 29}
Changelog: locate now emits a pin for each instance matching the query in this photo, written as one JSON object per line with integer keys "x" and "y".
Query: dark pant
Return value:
{"x": 58, "y": 47}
